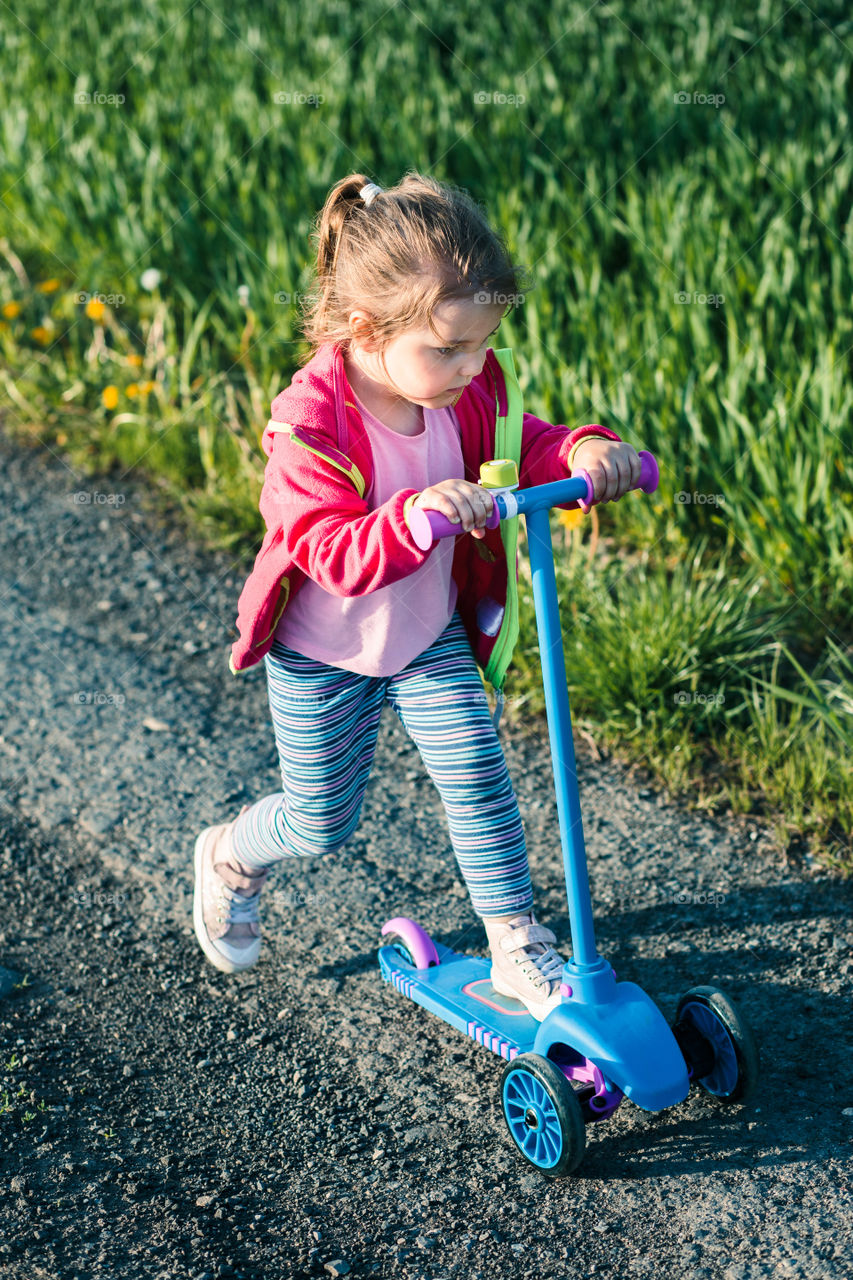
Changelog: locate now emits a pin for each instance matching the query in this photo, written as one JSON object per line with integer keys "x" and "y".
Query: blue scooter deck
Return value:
{"x": 459, "y": 991}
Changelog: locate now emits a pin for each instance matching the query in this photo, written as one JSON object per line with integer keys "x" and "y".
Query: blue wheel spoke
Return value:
{"x": 527, "y": 1087}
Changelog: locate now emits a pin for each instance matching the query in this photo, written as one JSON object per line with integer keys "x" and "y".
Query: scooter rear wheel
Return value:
{"x": 411, "y": 941}
{"x": 543, "y": 1115}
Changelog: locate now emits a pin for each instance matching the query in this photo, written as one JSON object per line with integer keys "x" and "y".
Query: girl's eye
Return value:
{"x": 449, "y": 351}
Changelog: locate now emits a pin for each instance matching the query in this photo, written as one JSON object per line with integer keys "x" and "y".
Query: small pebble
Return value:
{"x": 156, "y": 726}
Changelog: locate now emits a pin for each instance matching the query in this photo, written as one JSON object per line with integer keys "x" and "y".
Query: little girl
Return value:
{"x": 400, "y": 402}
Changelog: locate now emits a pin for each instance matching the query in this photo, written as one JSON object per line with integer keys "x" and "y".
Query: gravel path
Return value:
{"x": 163, "y": 1120}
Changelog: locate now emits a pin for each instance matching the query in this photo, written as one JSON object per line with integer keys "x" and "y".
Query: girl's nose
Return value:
{"x": 474, "y": 365}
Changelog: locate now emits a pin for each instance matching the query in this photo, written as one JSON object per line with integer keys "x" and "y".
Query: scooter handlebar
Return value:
{"x": 427, "y": 525}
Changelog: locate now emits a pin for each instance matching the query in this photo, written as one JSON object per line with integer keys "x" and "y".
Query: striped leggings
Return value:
{"x": 326, "y": 723}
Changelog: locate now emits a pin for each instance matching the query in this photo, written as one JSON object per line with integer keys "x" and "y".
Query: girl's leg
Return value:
{"x": 441, "y": 701}
{"x": 326, "y": 722}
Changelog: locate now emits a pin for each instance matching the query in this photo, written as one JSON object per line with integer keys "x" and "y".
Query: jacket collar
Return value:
{"x": 316, "y": 398}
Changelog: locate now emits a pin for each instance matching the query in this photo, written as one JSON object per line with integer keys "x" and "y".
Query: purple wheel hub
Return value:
{"x": 420, "y": 945}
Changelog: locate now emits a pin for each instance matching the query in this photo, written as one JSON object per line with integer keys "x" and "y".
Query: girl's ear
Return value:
{"x": 361, "y": 330}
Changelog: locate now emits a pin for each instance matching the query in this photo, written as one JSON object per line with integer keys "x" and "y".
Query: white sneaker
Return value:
{"x": 225, "y": 902}
{"x": 524, "y": 964}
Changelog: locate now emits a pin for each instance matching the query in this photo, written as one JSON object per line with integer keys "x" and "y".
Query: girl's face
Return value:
{"x": 426, "y": 369}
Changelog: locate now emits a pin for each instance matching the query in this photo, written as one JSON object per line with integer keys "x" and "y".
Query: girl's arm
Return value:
{"x": 546, "y": 449}
{"x": 329, "y": 532}
{"x": 550, "y": 452}
{"x": 613, "y": 468}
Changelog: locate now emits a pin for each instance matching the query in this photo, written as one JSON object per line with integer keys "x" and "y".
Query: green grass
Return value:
{"x": 735, "y": 579}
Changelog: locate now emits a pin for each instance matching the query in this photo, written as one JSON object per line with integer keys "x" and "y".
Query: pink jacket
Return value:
{"x": 318, "y": 522}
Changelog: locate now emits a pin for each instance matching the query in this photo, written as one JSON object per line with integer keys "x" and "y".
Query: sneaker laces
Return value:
{"x": 544, "y": 958}
{"x": 241, "y": 910}
{"x": 550, "y": 965}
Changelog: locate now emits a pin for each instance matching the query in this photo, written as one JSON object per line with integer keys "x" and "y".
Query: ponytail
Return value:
{"x": 340, "y": 203}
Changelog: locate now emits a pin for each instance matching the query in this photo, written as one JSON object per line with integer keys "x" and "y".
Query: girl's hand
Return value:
{"x": 613, "y": 468}
{"x": 459, "y": 500}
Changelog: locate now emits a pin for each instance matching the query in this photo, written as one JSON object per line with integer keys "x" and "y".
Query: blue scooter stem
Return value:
{"x": 558, "y": 714}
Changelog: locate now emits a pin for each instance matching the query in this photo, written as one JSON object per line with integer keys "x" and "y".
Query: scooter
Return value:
{"x": 605, "y": 1040}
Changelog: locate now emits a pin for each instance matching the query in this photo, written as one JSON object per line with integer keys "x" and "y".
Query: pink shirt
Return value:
{"x": 380, "y": 633}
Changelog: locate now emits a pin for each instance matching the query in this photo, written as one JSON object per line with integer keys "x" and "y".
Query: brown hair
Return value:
{"x": 413, "y": 247}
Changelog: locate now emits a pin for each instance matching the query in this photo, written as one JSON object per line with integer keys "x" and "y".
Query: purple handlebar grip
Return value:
{"x": 649, "y": 474}
{"x": 426, "y": 526}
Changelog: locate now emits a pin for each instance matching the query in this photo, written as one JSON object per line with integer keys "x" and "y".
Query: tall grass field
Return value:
{"x": 677, "y": 180}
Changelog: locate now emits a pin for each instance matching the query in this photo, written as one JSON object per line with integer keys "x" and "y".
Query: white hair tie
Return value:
{"x": 369, "y": 192}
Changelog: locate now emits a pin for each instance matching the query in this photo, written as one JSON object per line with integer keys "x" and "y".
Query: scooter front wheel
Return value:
{"x": 717, "y": 1043}
{"x": 543, "y": 1115}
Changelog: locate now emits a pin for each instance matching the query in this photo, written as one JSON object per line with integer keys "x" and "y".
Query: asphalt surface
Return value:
{"x": 160, "y": 1119}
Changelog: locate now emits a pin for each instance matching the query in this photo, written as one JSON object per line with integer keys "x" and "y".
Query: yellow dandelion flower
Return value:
{"x": 95, "y": 310}
{"x": 135, "y": 361}
{"x": 570, "y": 519}
{"x": 145, "y": 388}
{"x": 109, "y": 395}
{"x": 41, "y": 334}
{"x": 48, "y": 286}
{"x": 62, "y": 437}
{"x": 11, "y": 309}
{"x": 132, "y": 390}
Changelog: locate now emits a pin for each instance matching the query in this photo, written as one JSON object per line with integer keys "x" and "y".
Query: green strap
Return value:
{"x": 507, "y": 445}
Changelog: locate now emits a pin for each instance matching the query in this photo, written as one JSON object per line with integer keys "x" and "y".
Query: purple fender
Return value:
{"x": 418, "y": 941}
